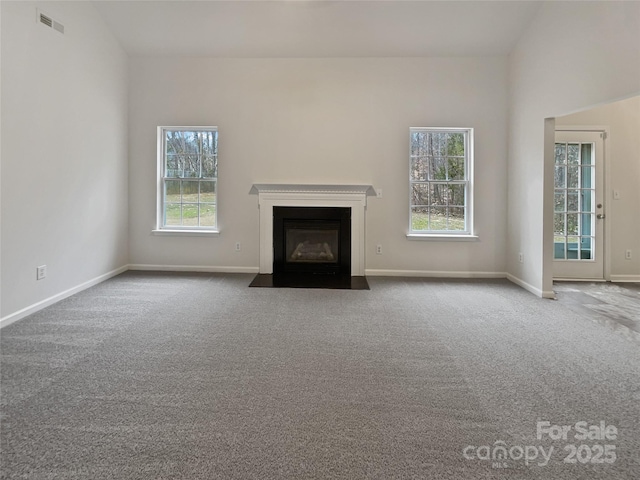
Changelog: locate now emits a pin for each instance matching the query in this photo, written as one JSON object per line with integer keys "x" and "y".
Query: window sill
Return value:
{"x": 439, "y": 237}
{"x": 186, "y": 233}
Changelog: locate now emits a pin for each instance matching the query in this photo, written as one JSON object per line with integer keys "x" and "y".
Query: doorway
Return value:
{"x": 579, "y": 211}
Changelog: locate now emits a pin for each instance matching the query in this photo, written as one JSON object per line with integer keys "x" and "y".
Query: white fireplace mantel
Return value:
{"x": 300, "y": 195}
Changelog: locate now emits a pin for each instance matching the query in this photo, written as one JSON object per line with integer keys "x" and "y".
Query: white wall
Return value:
{"x": 64, "y": 152}
{"x": 623, "y": 175}
{"x": 319, "y": 121}
{"x": 573, "y": 55}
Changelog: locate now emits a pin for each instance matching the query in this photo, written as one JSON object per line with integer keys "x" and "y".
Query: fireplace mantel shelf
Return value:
{"x": 259, "y": 188}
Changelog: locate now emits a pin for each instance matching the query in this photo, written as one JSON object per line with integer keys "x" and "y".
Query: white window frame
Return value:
{"x": 468, "y": 232}
{"x": 161, "y": 228}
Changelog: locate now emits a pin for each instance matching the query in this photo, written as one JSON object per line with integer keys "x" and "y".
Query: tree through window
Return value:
{"x": 188, "y": 178}
{"x": 440, "y": 180}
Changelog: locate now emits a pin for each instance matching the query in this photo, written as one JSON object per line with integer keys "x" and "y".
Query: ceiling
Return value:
{"x": 299, "y": 28}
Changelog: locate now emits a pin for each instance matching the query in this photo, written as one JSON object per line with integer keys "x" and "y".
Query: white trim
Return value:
{"x": 301, "y": 195}
{"x": 434, "y": 237}
{"x": 192, "y": 268}
{"x": 187, "y": 233}
{"x": 432, "y": 273}
{"x": 527, "y": 286}
{"x": 160, "y": 159}
{"x": 582, "y": 128}
{"x": 607, "y": 188}
{"x": 306, "y": 188}
{"x": 625, "y": 278}
{"x": 20, "y": 314}
{"x": 468, "y": 182}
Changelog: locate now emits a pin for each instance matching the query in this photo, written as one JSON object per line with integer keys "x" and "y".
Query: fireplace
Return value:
{"x": 312, "y": 236}
{"x": 312, "y": 240}
{"x": 353, "y": 197}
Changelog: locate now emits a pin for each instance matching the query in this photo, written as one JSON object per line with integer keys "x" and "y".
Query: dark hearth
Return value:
{"x": 304, "y": 280}
{"x": 312, "y": 240}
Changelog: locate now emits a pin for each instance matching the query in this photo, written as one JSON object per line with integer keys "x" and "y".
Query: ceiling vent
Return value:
{"x": 48, "y": 21}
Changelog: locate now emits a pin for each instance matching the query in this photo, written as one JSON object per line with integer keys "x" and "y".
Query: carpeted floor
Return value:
{"x": 615, "y": 305}
{"x": 197, "y": 376}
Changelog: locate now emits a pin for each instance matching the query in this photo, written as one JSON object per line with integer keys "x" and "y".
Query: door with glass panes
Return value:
{"x": 579, "y": 212}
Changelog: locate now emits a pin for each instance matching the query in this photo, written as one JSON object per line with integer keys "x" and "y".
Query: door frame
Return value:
{"x": 606, "y": 194}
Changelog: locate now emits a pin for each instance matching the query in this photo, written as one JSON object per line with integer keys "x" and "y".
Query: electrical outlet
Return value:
{"x": 627, "y": 254}
{"x": 238, "y": 247}
{"x": 379, "y": 192}
{"x": 41, "y": 272}
{"x": 521, "y": 257}
{"x": 378, "y": 249}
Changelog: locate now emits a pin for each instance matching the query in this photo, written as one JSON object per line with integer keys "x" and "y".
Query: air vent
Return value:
{"x": 58, "y": 26}
{"x": 47, "y": 20}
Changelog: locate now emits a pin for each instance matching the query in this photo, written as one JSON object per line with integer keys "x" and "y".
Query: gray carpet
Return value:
{"x": 197, "y": 376}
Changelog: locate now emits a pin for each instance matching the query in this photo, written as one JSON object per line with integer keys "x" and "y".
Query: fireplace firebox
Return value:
{"x": 312, "y": 240}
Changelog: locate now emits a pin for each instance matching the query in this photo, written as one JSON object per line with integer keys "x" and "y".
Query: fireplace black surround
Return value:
{"x": 312, "y": 240}
{"x": 325, "y": 225}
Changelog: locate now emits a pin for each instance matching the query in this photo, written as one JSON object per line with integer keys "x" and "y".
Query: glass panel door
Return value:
{"x": 578, "y": 211}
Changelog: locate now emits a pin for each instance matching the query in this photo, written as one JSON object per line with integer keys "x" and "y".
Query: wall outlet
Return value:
{"x": 379, "y": 192}
{"x": 41, "y": 272}
{"x": 238, "y": 247}
{"x": 378, "y": 249}
{"x": 627, "y": 254}
{"x": 521, "y": 257}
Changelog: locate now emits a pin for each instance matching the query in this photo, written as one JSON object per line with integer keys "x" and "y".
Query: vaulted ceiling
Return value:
{"x": 299, "y": 28}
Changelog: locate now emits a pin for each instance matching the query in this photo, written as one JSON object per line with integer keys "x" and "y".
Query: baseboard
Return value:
{"x": 527, "y": 286}
{"x": 625, "y": 278}
{"x": 192, "y": 268}
{"x": 14, "y": 317}
{"x": 431, "y": 274}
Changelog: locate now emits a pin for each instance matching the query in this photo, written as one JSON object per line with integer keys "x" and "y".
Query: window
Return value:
{"x": 188, "y": 176}
{"x": 440, "y": 174}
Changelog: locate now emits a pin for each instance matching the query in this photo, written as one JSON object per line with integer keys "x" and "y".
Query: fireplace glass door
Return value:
{"x": 312, "y": 243}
